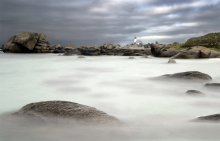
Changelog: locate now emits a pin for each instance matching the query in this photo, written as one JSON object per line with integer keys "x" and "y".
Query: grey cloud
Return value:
{"x": 99, "y": 21}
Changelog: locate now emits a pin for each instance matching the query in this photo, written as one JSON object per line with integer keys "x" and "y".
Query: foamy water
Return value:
{"x": 122, "y": 87}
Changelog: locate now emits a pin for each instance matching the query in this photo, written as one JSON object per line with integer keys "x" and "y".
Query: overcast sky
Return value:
{"x": 110, "y": 21}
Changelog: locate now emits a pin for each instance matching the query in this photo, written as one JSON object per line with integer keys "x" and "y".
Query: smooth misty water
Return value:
{"x": 151, "y": 110}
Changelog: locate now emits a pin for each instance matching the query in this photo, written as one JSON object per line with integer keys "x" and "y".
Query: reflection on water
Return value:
{"x": 151, "y": 110}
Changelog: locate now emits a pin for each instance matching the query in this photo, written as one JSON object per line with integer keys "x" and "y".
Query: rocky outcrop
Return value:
{"x": 189, "y": 75}
{"x": 27, "y": 42}
{"x": 212, "y": 118}
{"x": 158, "y": 50}
{"x": 63, "y": 109}
{"x": 197, "y": 52}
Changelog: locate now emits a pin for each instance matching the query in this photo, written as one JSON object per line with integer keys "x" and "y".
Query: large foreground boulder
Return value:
{"x": 67, "y": 110}
{"x": 197, "y": 52}
{"x": 213, "y": 118}
{"x": 27, "y": 42}
{"x": 189, "y": 75}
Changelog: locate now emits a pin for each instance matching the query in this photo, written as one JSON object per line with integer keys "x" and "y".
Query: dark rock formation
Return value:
{"x": 197, "y": 52}
{"x": 194, "y": 92}
{"x": 163, "y": 50}
{"x": 189, "y": 75}
{"x": 27, "y": 42}
{"x": 63, "y": 109}
{"x": 213, "y": 118}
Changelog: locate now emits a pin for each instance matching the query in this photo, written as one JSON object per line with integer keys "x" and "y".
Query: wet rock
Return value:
{"x": 213, "y": 118}
{"x": 171, "y": 61}
{"x": 194, "y": 92}
{"x": 64, "y": 110}
{"x": 213, "y": 85}
{"x": 189, "y": 75}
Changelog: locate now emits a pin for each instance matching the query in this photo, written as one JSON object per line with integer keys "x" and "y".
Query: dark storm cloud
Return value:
{"x": 118, "y": 21}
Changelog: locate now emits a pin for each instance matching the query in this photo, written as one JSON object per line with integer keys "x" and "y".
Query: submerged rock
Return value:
{"x": 194, "y": 92}
{"x": 131, "y": 57}
{"x": 171, "y": 61}
{"x": 64, "y": 109}
{"x": 213, "y": 85}
{"x": 215, "y": 118}
{"x": 80, "y": 56}
{"x": 189, "y": 75}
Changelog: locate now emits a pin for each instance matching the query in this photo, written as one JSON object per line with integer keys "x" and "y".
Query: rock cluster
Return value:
{"x": 110, "y": 49}
{"x": 188, "y": 53}
{"x": 197, "y": 52}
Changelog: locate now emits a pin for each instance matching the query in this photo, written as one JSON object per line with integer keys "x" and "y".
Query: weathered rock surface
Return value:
{"x": 27, "y": 42}
{"x": 163, "y": 50}
{"x": 63, "y": 109}
{"x": 213, "y": 118}
{"x": 189, "y": 75}
{"x": 194, "y": 92}
{"x": 197, "y": 52}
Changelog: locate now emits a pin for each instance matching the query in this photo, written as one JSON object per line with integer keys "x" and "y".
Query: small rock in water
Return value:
{"x": 171, "y": 61}
{"x": 189, "y": 75}
{"x": 131, "y": 57}
{"x": 194, "y": 92}
{"x": 145, "y": 56}
{"x": 213, "y": 85}
{"x": 213, "y": 118}
{"x": 80, "y": 56}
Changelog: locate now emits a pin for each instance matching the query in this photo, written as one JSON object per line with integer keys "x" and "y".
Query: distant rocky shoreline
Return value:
{"x": 29, "y": 42}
